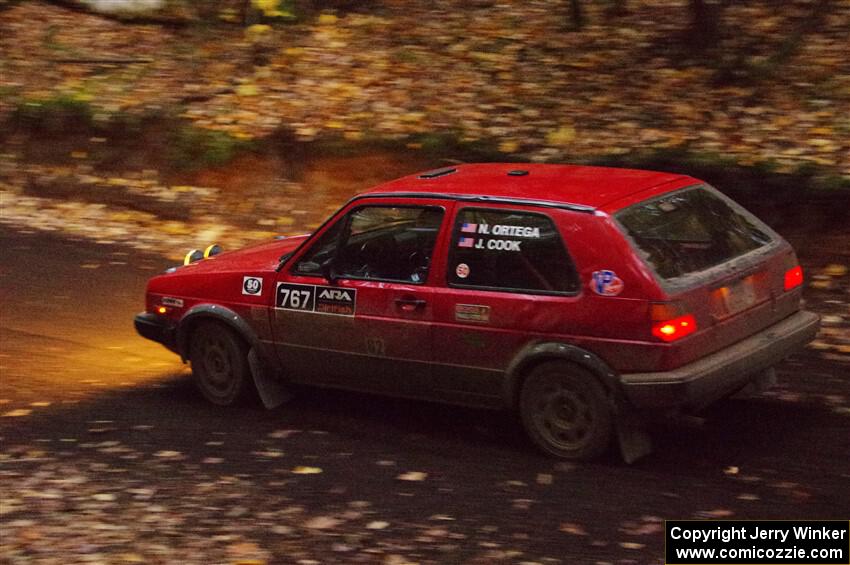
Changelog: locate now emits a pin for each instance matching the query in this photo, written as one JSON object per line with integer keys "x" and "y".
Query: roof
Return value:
{"x": 570, "y": 185}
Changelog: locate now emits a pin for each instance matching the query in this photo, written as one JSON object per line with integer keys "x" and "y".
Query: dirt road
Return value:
{"x": 109, "y": 455}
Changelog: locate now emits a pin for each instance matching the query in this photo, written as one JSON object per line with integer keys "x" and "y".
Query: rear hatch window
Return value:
{"x": 691, "y": 231}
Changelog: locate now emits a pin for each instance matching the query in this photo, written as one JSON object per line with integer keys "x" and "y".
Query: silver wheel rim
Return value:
{"x": 562, "y": 415}
{"x": 217, "y": 374}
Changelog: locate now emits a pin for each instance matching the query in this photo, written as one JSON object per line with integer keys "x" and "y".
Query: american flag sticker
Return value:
{"x": 466, "y": 242}
{"x": 469, "y": 228}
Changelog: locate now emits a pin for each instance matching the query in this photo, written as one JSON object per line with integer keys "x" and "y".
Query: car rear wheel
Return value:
{"x": 565, "y": 411}
{"x": 219, "y": 363}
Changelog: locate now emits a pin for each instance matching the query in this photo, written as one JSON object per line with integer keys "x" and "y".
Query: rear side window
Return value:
{"x": 509, "y": 250}
{"x": 692, "y": 230}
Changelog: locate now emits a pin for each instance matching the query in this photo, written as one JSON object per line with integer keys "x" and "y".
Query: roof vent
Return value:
{"x": 438, "y": 173}
{"x": 517, "y": 173}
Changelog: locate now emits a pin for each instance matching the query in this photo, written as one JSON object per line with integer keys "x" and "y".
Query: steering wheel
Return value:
{"x": 418, "y": 263}
{"x": 365, "y": 255}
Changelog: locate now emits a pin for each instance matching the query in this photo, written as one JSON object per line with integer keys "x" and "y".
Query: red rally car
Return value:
{"x": 581, "y": 297}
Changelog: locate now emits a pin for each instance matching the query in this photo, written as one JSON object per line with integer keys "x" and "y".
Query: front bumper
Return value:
{"x": 156, "y": 328}
{"x": 700, "y": 383}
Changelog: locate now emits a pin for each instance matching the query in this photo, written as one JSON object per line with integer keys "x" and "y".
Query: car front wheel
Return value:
{"x": 565, "y": 411}
{"x": 219, "y": 363}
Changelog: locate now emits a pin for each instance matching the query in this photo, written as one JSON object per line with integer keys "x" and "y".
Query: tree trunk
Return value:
{"x": 704, "y": 30}
{"x": 618, "y": 8}
{"x": 576, "y": 14}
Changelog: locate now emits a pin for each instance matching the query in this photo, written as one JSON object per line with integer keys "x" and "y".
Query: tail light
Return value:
{"x": 670, "y": 322}
{"x": 677, "y": 328}
{"x": 793, "y": 277}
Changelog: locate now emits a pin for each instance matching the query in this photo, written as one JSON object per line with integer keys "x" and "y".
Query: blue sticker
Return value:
{"x": 606, "y": 283}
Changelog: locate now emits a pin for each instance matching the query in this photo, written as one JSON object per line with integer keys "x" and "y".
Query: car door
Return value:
{"x": 354, "y": 309}
{"x": 509, "y": 281}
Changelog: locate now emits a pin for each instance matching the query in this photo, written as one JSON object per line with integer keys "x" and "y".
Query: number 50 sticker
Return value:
{"x": 252, "y": 286}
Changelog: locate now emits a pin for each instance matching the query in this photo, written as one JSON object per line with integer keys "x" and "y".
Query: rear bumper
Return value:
{"x": 699, "y": 383}
{"x": 155, "y": 328}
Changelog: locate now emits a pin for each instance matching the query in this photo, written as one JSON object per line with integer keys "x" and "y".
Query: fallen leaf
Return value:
{"x": 718, "y": 513}
{"x": 522, "y": 503}
{"x": 142, "y": 493}
{"x": 413, "y": 476}
{"x": 306, "y": 470}
{"x": 642, "y": 529}
{"x": 573, "y": 529}
{"x": 321, "y": 523}
{"x": 509, "y": 146}
{"x": 271, "y": 453}
{"x": 561, "y": 136}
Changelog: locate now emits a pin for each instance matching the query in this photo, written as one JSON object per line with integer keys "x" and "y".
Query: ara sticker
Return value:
{"x": 338, "y": 301}
{"x": 606, "y": 283}
{"x": 462, "y": 270}
{"x": 252, "y": 286}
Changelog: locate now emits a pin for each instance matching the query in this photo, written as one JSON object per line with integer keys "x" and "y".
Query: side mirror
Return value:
{"x": 328, "y": 272}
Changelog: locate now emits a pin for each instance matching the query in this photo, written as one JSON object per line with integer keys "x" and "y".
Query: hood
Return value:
{"x": 260, "y": 257}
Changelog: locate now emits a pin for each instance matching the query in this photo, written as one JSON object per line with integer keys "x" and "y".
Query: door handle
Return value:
{"x": 409, "y": 304}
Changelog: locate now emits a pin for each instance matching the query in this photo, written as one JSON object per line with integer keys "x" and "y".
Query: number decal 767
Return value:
{"x": 295, "y": 297}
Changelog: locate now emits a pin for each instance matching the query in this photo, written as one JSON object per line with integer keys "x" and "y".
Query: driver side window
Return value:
{"x": 388, "y": 243}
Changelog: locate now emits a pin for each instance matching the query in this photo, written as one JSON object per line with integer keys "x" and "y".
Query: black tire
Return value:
{"x": 219, "y": 363}
{"x": 565, "y": 411}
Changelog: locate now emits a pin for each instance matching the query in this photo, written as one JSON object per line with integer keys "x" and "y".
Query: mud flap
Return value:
{"x": 272, "y": 391}
{"x": 633, "y": 438}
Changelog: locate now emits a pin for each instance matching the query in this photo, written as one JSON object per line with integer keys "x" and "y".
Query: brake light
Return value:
{"x": 793, "y": 277}
{"x": 677, "y": 328}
